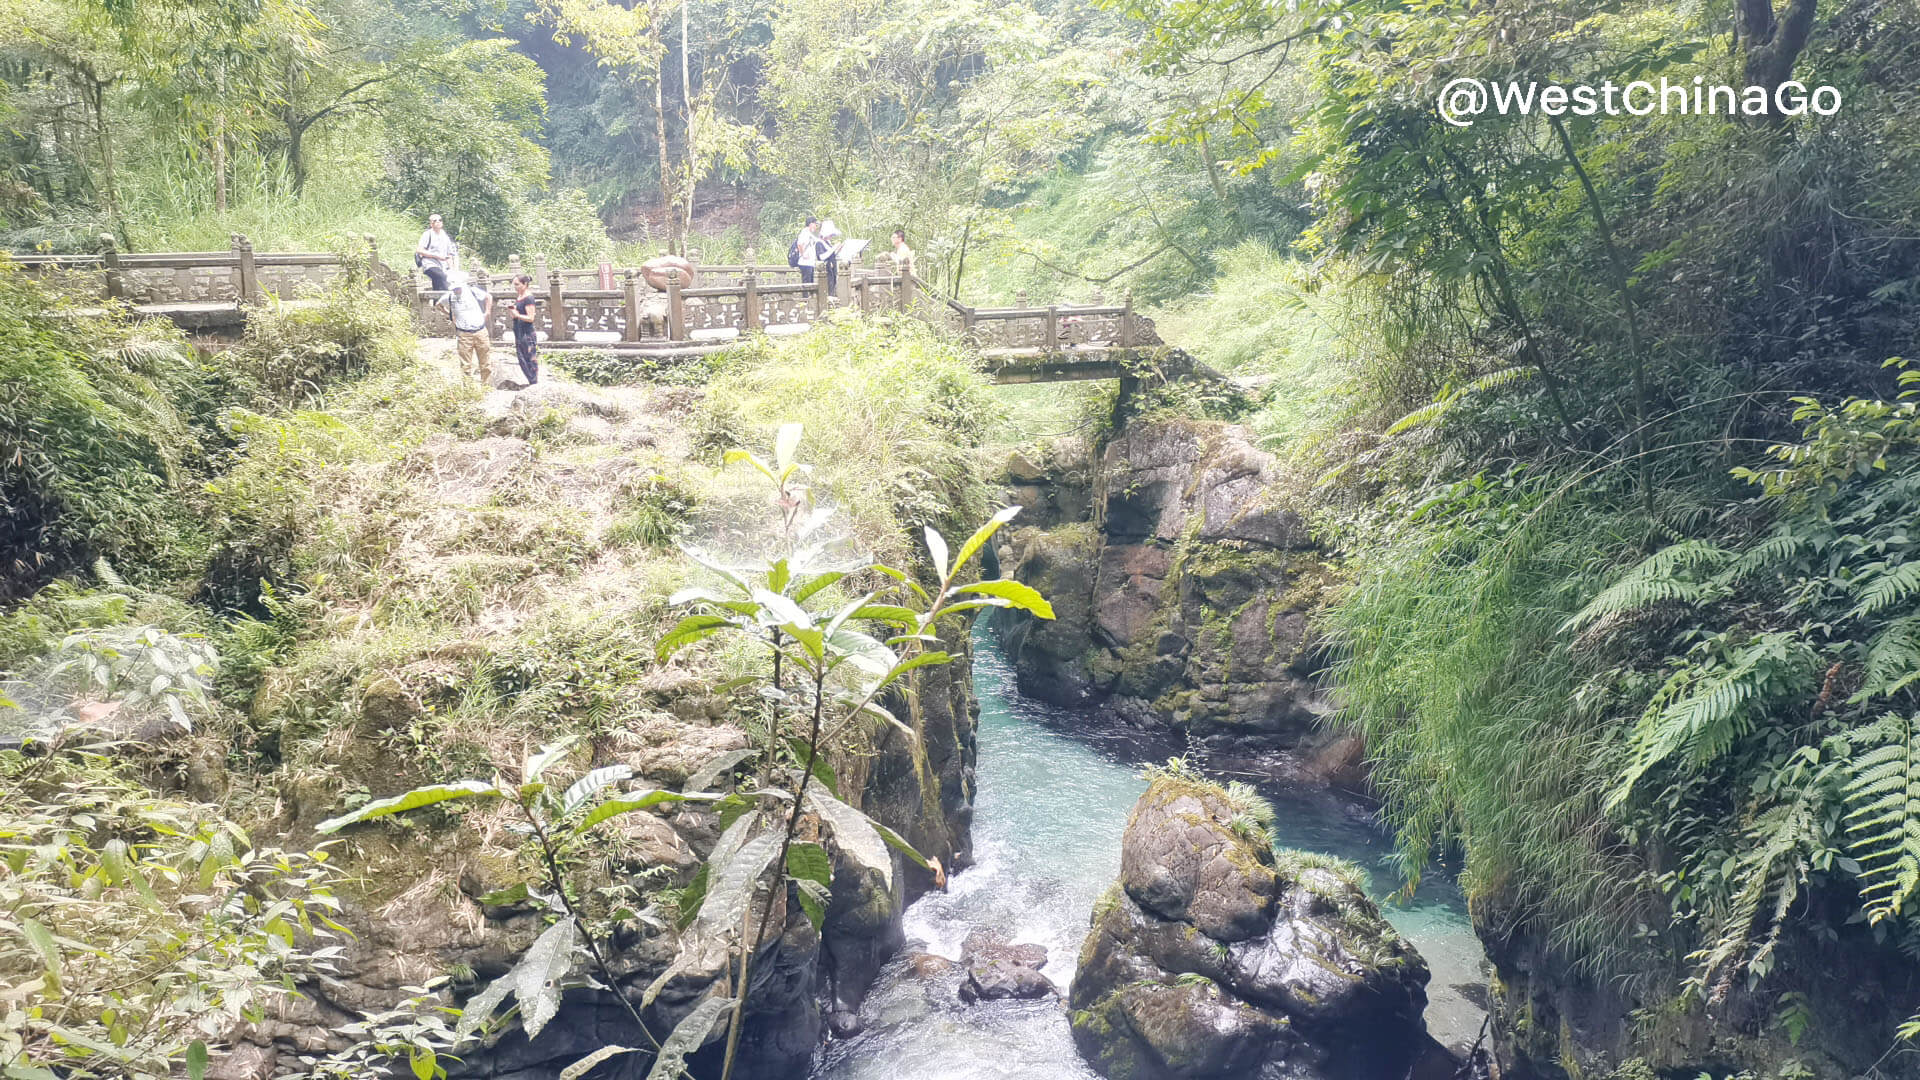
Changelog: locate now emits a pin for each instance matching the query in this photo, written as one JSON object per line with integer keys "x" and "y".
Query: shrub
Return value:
{"x": 894, "y": 409}
{"x": 292, "y": 353}
{"x": 566, "y": 229}
{"x": 96, "y": 440}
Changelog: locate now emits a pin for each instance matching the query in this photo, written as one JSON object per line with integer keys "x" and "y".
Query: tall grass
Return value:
{"x": 169, "y": 207}
{"x": 1484, "y": 735}
{"x": 893, "y": 411}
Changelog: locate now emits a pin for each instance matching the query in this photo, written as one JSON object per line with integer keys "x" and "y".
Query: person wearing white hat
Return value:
{"x": 471, "y": 307}
{"x": 830, "y": 233}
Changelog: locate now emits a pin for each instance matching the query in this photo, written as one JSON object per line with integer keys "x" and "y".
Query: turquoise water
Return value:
{"x": 1050, "y": 808}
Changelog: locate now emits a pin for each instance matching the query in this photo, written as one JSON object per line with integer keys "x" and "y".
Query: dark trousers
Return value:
{"x": 526, "y": 347}
{"x": 806, "y": 275}
{"x": 437, "y": 277}
{"x": 833, "y": 276}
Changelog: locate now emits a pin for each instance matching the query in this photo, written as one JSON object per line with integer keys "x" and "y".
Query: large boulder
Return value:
{"x": 1213, "y": 957}
{"x": 1183, "y": 598}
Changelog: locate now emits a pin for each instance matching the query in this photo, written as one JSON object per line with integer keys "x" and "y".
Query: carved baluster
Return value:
{"x": 1126, "y": 323}
{"x": 750, "y": 305}
{"x": 1052, "y": 339}
{"x": 676, "y": 307}
{"x": 557, "y": 304}
{"x": 110, "y": 258}
{"x": 249, "y": 276}
{"x": 630, "y": 301}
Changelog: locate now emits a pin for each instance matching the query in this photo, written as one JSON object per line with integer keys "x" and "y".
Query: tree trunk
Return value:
{"x": 666, "y": 159}
{"x": 296, "y": 154}
{"x": 1772, "y": 44}
{"x": 686, "y": 99}
{"x": 220, "y": 165}
{"x": 109, "y": 188}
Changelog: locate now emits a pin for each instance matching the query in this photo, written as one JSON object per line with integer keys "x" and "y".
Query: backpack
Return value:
{"x": 793, "y": 253}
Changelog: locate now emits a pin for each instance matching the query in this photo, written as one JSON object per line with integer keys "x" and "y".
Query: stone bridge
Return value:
{"x": 617, "y": 310}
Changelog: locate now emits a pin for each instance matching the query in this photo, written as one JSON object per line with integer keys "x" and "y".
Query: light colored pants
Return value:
{"x": 476, "y": 355}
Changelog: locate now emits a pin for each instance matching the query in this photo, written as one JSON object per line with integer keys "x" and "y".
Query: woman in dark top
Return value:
{"x": 526, "y": 339}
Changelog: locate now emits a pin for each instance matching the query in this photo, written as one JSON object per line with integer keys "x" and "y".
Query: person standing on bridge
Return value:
{"x": 471, "y": 308}
{"x": 809, "y": 249}
{"x": 434, "y": 255}
{"x": 526, "y": 337}
{"x": 902, "y": 254}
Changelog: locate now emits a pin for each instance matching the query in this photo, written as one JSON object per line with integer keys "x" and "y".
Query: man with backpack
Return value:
{"x": 434, "y": 254}
{"x": 809, "y": 250}
{"x": 471, "y": 308}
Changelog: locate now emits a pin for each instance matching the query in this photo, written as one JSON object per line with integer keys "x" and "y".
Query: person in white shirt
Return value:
{"x": 435, "y": 253}
{"x": 810, "y": 250}
{"x": 472, "y": 309}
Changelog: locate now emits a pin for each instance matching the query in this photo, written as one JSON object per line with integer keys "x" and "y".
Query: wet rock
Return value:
{"x": 1186, "y": 601}
{"x": 998, "y": 970}
{"x": 928, "y": 966}
{"x": 1211, "y": 957}
{"x": 844, "y": 1024}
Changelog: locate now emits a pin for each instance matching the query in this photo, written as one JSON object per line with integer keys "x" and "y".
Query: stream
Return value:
{"x": 1049, "y": 812}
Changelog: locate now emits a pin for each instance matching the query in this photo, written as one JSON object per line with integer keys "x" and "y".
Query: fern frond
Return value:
{"x": 1703, "y": 710}
{"x": 1786, "y": 542}
{"x": 1883, "y": 803}
{"x": 1893, "y": 660}
{"x": 1655, "y": 580}
{"x": 1879, "y": 587}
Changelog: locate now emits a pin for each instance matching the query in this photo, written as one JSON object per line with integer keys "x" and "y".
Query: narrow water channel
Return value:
{"x": 1049, "y": 812}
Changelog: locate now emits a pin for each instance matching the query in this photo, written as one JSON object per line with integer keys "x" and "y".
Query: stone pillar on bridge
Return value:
{"x": 556, "y": 305}
{"x": 110, "y": 258}
{"x": 249, "y": 276}
{"x": 630, "y": 301}
{"x": 750, "y": 303}
{"x": 1126, "y": 323}
{"x": 676, "y": 309}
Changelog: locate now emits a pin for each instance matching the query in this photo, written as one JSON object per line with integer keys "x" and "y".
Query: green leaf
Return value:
{"x": 40, "y": 939}
{"x": 814, "y": 898}
{"x": 590, "y": 785}
{"x": 412, "y": 800}
{"x": 903, "y": 578}
{"x": 809, "y": 861}
{"x": 784, "y": 446}
{"x": 854, "y": 833}
{"x": 688, "y": 1035}
{"x": 899, "y": 843}
{"x": 550, "y": 753}
{"x": 1024, "y": 597}
{"x": 937, "y": 550}
{"x": 635, "y": 800}
{"x": 864, "y": 652}
{"x": 920, "y": 661}
{"x": 890, "y": 613}
{"x": 706, "y": 776}
{"x": 689, "y": 630}
{"x": 822, "y": 772}
{"x": 580, "y": 1068}
{"x": 196, "y": 1060}
{"x": 814, "y": 584}
{"x": 736, "y": 869}
{"x": 984, "y": 533}
{"x": 424, "y": 1062}
{"x": 691, "y": 897}
{"x": 782, "y": 610}
{"x": 536, "y": 979}
{"x": 512, "y": 894}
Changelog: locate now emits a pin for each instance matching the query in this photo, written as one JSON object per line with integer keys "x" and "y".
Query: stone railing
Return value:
{"x": 605, "y": 306}
{"x": 236, "y": 276}
{"x": 577, "y": 307}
